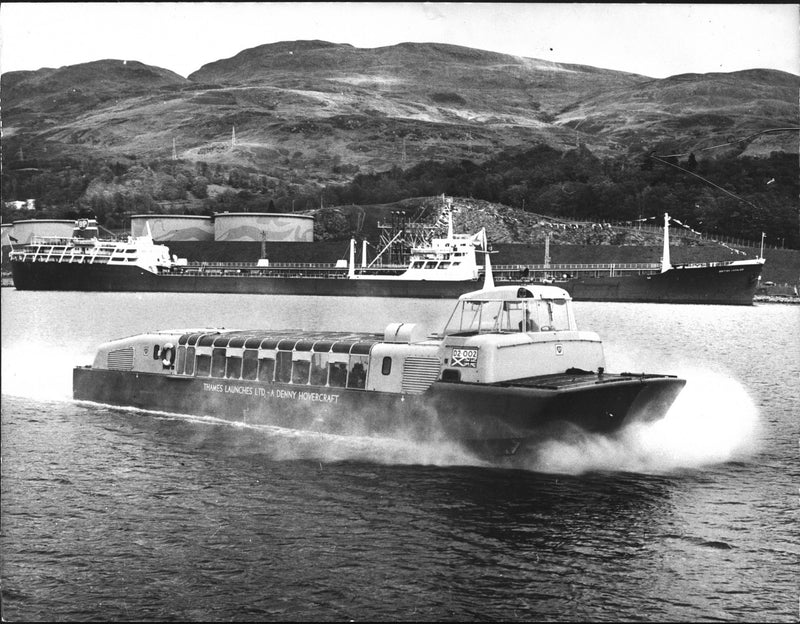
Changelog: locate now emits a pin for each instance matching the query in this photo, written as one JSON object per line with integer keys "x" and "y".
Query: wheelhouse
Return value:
{"x": 512, "y": 310}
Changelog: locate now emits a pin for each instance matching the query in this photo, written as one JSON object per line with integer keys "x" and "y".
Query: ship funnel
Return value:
{"x": 488, "y": 278}
{"x": 665, "y": 263}
{"x": 351, "y": 265}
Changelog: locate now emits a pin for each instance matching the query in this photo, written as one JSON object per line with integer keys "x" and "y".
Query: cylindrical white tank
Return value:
{"x": 173, "y": 227}
{"x": 6, "y": 231}
{"x": 23, "y": 231}
{"x": 263, "y": 226}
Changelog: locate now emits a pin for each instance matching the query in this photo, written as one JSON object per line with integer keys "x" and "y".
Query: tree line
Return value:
{"x": 733, "y": 196}
{"x": 728, "y": 195}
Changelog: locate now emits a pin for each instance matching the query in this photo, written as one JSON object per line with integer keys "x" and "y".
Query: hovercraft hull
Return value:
{"x": 461, "y": 412}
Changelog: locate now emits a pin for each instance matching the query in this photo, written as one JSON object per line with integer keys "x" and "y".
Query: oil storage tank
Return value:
{"x": 263, "y": 226}
{"x": 166, "y": 228}
{"x": 6, "y": 234}
{"x": 24, "y": 231}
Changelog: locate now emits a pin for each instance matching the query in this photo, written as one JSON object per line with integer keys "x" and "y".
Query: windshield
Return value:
{"x": 526, "y": 315}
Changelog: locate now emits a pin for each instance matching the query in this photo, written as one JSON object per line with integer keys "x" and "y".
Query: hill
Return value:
{"x": 302, "y": 109}
{"x": 293, "y": 121}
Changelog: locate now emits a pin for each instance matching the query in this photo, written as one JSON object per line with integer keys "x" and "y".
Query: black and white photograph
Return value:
{"x": 399, "y": 311}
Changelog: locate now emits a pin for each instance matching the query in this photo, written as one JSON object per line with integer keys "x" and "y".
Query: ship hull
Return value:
{"x": 710, "y": 284}
{"x": 707, "y": 284}
{"x": 482, "y": 416}
{"x": 105, "y": 278}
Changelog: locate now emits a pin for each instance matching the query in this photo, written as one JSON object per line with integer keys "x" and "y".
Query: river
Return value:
{"x": 116, "y": 514}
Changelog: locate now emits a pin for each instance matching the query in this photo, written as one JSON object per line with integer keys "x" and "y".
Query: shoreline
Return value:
{"x": 789, "y": 299}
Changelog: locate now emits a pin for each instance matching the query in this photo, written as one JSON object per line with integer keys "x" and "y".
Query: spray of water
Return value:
{"x": 39, "y": 370}
{"x": 712, "y": 421}
{"x": 282, "y": 444}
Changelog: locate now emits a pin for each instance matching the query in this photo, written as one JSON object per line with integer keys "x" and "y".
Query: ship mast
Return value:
{"x": 665, "y": 264}
{"x": 449, "y": 208}
{"x": 547, "y": 251}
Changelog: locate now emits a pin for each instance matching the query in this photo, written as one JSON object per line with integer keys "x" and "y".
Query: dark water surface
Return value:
{"x": 119, "y": 514}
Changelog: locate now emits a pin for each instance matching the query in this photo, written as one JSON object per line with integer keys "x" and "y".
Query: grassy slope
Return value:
{"x": 303, "y": 108}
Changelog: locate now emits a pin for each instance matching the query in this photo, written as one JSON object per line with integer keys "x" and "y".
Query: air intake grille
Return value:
{"x": 419, "y": 373}
{"x": 121, "y": 359}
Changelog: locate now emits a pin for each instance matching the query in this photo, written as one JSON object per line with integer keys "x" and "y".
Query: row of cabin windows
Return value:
{"x": 432, "y": 264}
{"x": 280, "y": 367}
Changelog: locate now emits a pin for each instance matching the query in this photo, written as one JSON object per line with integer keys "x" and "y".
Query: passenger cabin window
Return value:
{"x": 357, "y": 374}
{"x": 283, "y": 366}
{"x": 250, "y": 364}
{"x": 319, "y": 369}
{"x": 266, "y": 369}
{"x": 203, "y": 365}
{"x": 156, "y": 352}
{"x": 189, "y": 361}
{"x": 386, "y": 366}
{"x": 233, "y": 367}
{"x": 218, "y": 362}
{"x": 180, "y": 360}
{"x": 337, "y": 377}
{"x": 300, "y": 370}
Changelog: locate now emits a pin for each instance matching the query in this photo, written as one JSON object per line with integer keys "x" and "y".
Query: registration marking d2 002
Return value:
{"x": 465, "y": 358}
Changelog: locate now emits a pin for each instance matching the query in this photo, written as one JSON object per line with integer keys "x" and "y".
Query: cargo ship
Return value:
{"x": 440, "y": 268}
{"x": 510, "y": 368}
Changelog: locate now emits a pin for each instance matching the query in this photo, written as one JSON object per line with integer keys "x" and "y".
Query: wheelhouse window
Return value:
{"x": 473, "y": 317}
{"x": 517, "y": 316}
{"x": 386, "y": 366}
{"x": 557, "y": 314}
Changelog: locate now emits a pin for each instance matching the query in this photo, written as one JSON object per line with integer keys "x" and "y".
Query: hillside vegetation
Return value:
{"x": 318, "y": 124}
